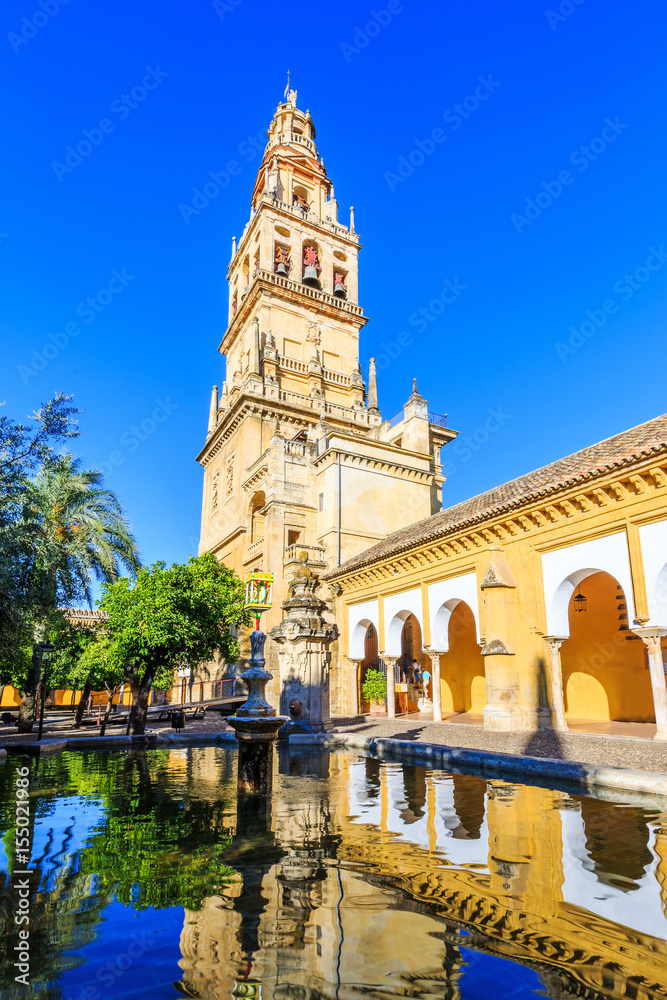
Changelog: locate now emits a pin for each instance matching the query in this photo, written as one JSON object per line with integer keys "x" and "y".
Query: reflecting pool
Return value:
{"x": 359, "y": 878}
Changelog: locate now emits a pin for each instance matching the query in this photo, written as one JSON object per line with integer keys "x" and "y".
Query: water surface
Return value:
{"x": 358, "y": 879}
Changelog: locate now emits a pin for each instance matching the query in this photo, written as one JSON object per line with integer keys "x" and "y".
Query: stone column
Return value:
{"x": 391, "y": 690}
{"x": 554, "y": 642}
{"x": 434, "y": 656}
{"x": 651, "y": 638}
{"x": 303, "y": 639}
{"x": 354, "y": 687}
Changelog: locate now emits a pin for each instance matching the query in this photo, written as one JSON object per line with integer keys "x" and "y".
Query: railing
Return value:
{"x": 334, "y": 409}
{"x": 281, "y": 138}
{"x": 436, "y": 419}
{"x": 337, "y": 377}
{"x": 312, "y": 293}
{"x": 255, "y": 548}
{"x": 295, "y": 448}
{"x": 256, "y": 465}
{"x": 315, "y": 552}
{"x": 292, "y": 365}
{"x": 335, "y": 227}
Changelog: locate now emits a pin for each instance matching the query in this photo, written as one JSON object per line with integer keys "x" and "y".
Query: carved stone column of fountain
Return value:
{"x": 303, "y": 639}
{"x": 256, "y": 724}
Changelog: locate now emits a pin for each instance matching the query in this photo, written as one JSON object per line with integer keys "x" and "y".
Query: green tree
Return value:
{"x": 23, "y": 447}
{"x": 98, "y": 667}
{"x": 78, "y": 530}
{"x": 70, "y": 639}
{"x": 185, "y": 611}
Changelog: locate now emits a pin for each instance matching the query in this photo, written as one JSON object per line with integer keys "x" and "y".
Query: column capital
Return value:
{"x": 433, "y": 653}
{"x": 651, "y": 637}
{"x": 555, "y": 641}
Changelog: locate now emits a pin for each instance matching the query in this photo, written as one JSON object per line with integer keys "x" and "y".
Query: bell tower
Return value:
{"x": 298, "y": 461}
{"x": 293, "y": 278}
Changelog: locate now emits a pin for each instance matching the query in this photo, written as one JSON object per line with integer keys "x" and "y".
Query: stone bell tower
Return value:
{"x": 297, "y": 457}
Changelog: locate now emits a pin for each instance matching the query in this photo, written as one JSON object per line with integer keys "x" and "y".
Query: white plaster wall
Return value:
{"x": 400, "y": 604}
{"x": 653, "y": 540}
{"x": 564, "y": 569}
{"x": 443, "y": 598}
{"x": 358, "y": 614}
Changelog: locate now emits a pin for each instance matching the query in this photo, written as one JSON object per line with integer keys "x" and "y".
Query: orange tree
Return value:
{"x": 185, "y": 611}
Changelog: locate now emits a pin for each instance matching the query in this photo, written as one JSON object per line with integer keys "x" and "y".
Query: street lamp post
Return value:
{"x": 46, "y": 650}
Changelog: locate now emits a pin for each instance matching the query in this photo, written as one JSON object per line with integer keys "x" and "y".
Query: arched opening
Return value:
{"x": 411, "y": 646}
{"x": 462, "y": 676}
{"x": 604, "y": 666}
{"x": 257, "y": 516}
{"x": 371, "y": 660}
{"x": 311, "y": 264}
{"x": 301, "y": 197}
{"x": 616, "y": 843}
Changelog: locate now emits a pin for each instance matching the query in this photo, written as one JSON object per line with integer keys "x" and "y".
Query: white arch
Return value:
{"x": 396, "y": 609}
{"x": 360, "y": 616}
{"x": 564, "y": 569}
{"x": 443, "y": 598}
{"x": 653, "y": 540}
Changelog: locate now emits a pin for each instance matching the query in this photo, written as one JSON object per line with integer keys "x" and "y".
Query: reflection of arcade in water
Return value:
{"x": 361, "y": 877}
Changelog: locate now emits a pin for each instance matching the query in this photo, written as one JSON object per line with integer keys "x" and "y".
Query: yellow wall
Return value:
{"x": 605, "y": 674}
{"x": 10, "y": 697}
{"x": 462, "y": 680}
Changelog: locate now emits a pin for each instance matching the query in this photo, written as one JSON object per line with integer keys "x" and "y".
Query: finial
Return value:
{"x": 233, "y": 247}
{"x": 415, "y": 391}
{"x": 213, "y": 410}
{"x": 372, "y": 401}
{"x": 351, "y": 218}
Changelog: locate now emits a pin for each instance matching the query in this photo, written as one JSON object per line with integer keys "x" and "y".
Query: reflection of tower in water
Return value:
{"x": 362, "y": 905}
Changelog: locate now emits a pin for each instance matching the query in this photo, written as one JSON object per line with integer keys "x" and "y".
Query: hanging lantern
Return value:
{"x": 579, "y": 601}
{"x": 258, "y": 592}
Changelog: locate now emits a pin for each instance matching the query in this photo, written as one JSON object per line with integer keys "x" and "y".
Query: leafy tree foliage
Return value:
{"x": 374, "y": 688}
{"x": 23, "y": 448}
{"x": 77, "y": 530}
{"x": 182, "y": 612}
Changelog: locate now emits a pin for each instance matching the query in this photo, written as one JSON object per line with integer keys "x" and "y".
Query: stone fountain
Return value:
{"x": 256, "y": 724}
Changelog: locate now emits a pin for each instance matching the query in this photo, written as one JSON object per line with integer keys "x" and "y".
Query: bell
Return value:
{"x": 339, "y": 290}
{"x": 281, "y": 269}
{"x": 310, "y": 276}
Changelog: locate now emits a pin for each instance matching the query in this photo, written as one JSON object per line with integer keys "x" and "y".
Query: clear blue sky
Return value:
{"x": 553, "y": 81}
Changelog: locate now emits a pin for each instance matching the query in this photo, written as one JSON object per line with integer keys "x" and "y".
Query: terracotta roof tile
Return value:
{"x": 614, "y": 452}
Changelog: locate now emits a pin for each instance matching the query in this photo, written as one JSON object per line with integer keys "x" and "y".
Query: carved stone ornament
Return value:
{"x": 314, "y": 335}
{"x": 495, "y": 647}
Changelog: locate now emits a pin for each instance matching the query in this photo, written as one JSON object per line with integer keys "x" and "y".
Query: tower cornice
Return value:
{"x": 290, "y": 291}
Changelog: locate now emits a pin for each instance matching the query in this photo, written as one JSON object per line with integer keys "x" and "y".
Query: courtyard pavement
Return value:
{"x": 616, "y": 744}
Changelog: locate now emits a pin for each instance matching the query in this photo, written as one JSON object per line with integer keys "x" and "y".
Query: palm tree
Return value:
{"x": 78, "y": 530}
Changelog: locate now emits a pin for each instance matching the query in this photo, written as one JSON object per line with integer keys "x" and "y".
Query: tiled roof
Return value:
{"x": 613, "y": 453}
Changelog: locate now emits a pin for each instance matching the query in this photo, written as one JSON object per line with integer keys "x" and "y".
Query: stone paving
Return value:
{"x": 61, "y": 728}
{"x": 584, "y": 748}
